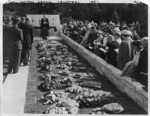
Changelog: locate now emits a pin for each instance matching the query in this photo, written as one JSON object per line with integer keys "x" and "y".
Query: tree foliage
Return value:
{"x": 85, "y": 11}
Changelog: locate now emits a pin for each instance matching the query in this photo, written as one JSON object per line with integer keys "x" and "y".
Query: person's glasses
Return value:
{"x": 125, "y": 35}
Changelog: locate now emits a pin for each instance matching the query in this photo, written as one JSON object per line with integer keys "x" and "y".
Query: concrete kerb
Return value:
{"x": 132, "y": 89}
{"x": 31, "y": 82}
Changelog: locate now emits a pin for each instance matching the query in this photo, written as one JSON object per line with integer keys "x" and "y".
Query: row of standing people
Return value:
{"x": 116, "y": 44}
{"x": 17, "y": 41}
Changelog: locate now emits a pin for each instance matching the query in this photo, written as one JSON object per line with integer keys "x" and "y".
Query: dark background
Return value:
{"x": 84, "y": 11}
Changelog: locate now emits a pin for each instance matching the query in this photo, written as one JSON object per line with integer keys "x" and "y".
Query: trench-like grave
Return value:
{"x": 89, "y": 92}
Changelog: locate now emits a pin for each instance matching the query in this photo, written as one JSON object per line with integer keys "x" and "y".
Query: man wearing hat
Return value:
{"x": 15, "y": 39}
{"x": 125, "y": 53}
{"x": 123, "y": 26}
{"x": 130, "y": 27}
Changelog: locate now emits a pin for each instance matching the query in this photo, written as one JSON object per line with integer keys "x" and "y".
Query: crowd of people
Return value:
{"x": 17, "y": 41}
{"x": 118, "y": 44}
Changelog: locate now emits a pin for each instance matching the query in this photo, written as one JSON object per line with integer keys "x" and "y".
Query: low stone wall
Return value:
{"x": 132, "y": 89}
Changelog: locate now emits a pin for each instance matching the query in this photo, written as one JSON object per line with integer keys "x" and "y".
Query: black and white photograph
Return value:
{"x": 74, "y": 57}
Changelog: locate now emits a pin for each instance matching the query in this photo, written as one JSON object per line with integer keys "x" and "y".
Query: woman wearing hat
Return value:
{"x": 125, "y": 53}
{"x": 98, "y": 42}
{"x": 113, "y": 48}
{"x": 117, "y": 37}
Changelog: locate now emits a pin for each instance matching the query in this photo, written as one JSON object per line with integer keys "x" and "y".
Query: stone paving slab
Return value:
{"x": 13, "y": 91}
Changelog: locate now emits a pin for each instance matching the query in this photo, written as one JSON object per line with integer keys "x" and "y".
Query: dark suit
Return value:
{"x": 112, "y": 54}
{"x": 44, "y": 27}
{"x": 15, "y": 46}
{"x": 6, "y": 36}
{"x": 142, "y": 68}
{"x": 27, "y": 41}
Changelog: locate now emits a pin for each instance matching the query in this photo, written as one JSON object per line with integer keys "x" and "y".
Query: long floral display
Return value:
{"x": 65, "y": 79}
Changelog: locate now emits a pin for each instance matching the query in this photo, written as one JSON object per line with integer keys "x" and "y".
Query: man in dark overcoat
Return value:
{"x": 6, "y": 28}
{"x": 22, "y": 23}
{"x": 15, "y": 46}
{"x": 27, "y": 40}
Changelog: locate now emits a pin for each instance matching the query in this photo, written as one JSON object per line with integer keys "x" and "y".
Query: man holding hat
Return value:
{"x": 125, "y": 53}
{"x": 16, "y": 38}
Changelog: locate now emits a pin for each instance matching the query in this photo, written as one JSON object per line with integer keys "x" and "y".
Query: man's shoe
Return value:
{"x": 15, "y": 72}
{"x": 9, "y": 71}
{"x": 25, "y": 64}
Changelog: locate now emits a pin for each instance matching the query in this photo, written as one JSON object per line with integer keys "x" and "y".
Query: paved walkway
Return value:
{"x": 14, "y": 89}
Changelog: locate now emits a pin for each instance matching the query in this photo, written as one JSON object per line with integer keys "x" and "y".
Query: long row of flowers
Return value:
{"x": 69, "y": 83}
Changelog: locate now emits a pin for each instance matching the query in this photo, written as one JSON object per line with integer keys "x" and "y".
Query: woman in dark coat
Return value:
{"x": 142, "y": 68}
{"x": 113, "y": 49}
{"x": 111, "y": 54}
